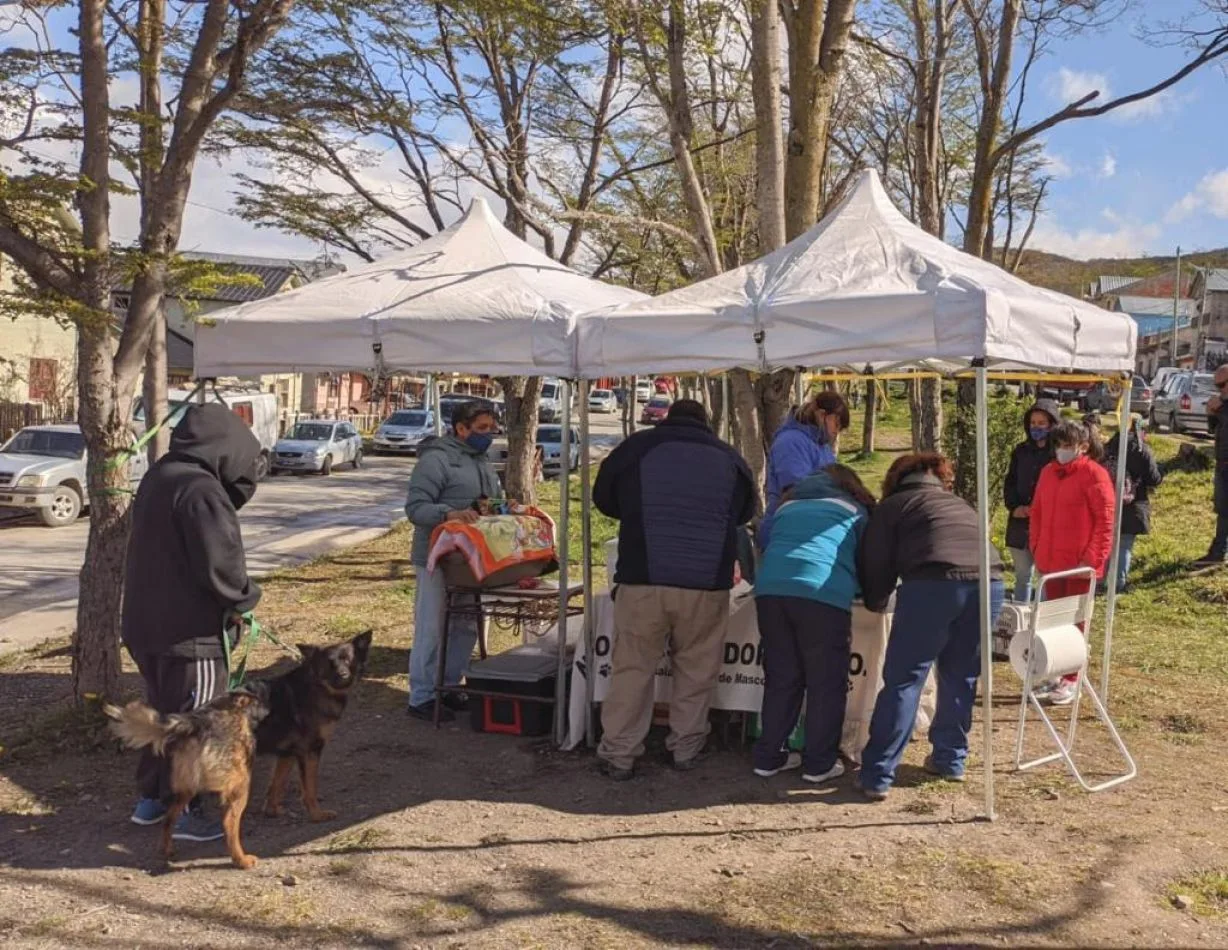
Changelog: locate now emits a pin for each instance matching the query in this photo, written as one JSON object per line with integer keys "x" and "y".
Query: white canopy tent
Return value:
{"x": 866, "y": 287}
{"x": 474, "y": 298}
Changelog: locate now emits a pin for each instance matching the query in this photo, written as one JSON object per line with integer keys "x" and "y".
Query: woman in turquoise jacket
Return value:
{"x": 804, "y": 592}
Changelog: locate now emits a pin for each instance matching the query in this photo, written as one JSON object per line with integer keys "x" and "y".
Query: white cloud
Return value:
{"x": 1108, "y": 165}
{"x": 1057, "y": 166}
{"x": 1150, "y": 108}
{"x": 1209, "y": 196}
{"x": 1124, "y": 239}
{"x": 1071, "y": 85}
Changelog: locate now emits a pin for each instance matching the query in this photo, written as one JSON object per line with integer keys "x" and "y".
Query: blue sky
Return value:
{"x": 1147, "y": 180}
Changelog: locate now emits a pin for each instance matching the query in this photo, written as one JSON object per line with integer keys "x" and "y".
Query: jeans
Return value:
{"x": 1024, "y": 568}
{"x": 429, "y": 605}
{"x": 805, "y": 655}
{"x": 1125, "y": 554}
{"x": 1219, "y": 547}
{"x": 936, "y": 621}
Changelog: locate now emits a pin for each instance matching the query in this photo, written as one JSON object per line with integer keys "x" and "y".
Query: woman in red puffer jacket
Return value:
{"x": 1071, "y": 523}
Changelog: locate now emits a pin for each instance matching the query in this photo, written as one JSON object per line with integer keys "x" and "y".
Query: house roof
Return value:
{"x": 1150, "y": 324}
{"x": 1159, "y": 306}
{"x": 1107, "y": 283}
{"x": 274, "y": 273}
{"x": 1217, "y": 279}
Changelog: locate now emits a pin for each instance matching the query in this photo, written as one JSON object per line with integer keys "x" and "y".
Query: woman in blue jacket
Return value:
{"x": 804, "y": 595}
{"x": 804, "y": 444}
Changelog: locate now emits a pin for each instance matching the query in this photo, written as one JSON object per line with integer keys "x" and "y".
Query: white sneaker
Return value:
{"x": 792, "y": 761}
{"x": 1042, "y": 690}
{"x": 1063, "y": 694}
{"x": 834, "y": 772}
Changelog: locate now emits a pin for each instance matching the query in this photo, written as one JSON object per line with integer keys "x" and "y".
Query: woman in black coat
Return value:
{"x": 1142, "y": 477}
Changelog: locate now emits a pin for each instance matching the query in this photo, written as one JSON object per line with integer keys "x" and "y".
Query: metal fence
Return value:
{"x": 17, "y": 415}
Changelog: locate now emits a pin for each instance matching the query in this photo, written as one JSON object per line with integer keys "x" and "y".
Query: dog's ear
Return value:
{"x": 361, "y": 644}
{"x": 307, "y": 651}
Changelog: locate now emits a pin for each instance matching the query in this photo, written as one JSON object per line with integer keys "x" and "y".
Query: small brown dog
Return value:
{"x": 305, "y": 705}
{"x": 210, "y": 750}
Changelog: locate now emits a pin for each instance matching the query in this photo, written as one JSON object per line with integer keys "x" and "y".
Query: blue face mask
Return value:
{"x": 1038, "y": 435}
{"x": 479, "y": 441}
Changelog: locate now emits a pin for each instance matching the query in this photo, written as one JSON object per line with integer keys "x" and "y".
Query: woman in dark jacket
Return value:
{"x": 927, "y": 537}
{"x": 1142, "y": 478}
{"x": 1027, "y": 461}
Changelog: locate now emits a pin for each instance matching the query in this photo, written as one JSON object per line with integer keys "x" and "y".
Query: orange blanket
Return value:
{"x": 494, "y": 542}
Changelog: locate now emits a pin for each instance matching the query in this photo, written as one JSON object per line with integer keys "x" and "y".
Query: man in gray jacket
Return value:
{"x": 452, "y": 473}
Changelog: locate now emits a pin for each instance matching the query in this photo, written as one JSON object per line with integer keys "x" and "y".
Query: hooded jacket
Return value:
{"x": 450, "y": 476}
{"x": 1142, "y": 469}
{"x": 1072, "y": 517}
{"x": 680, "y": 495}
{"x": 810, "y": 545}
{"x": 798, "y": 450}
{"x": 1027, "y": 462}
{"x": 186, "y": 569}
{"x": 920, "y": 531}
{"x": 1217, "y": 423}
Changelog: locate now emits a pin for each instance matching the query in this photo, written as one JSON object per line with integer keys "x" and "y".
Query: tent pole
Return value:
{"x": 560, "y": 684}
{"x": 726, "y": 410}
{"x": 432, "y": 402}
{"x": 982, "y": 504}
{"x": 586, "y": 542}
{"x": 1110, "y": 608}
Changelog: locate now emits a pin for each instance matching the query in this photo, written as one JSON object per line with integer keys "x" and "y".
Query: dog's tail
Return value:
{"x": 139, "y": 725}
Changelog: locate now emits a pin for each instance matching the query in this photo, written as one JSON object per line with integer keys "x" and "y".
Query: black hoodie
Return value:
{"x": 1027, "y": 461}
{"x": 186, "y": 567}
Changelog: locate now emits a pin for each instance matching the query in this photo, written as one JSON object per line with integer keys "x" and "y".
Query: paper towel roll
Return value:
{"x": 611, "y": 559}
{"x": 1051, "y": 653}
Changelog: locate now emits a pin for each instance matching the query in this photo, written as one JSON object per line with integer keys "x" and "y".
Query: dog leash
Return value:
{"x": 255, "y": 630}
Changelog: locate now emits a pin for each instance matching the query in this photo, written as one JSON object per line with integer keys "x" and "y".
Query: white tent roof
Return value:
{"x": 474, "y": 298}
{"x": 864, "y": 285}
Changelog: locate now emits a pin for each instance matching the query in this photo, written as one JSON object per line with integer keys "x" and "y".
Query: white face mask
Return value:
{"x": 1066, "y": 456}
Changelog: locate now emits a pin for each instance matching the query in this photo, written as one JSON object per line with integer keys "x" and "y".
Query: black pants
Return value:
{"x": 805, "y": 655}
{"x": 174, "y": 684}
{"x": 1219, "y": 547}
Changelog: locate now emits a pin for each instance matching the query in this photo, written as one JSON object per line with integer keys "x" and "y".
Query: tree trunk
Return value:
{"x": 965, "y": 440}
{"x": 521, "y": 396}
{"x": 630, "y": 406}
{"x": 871, "y": 419}
{"x": 153, "y": 390}
{"x": 745, "y": 430}
{"x": 769, "y": 130}
{"x": 925, "y": 407}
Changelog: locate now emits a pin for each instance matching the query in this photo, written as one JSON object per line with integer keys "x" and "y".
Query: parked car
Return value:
{"x": 655, "y": 411}
{"x": 1182, "y": 405}
{"x": 257, "y": 409}
{"x": 602, "y": 400}
{"x": 42, "y": 469}
{"x": 1067, "y": 393}
{"x": 550, "y": 441}
{"x": 1103, "y": 398}
{"x": 497, "y": 453}
{"x": 644, "y": 388}
{"x": 449, "y": 401}
{"x": 318, "y": 445}
{"x": 1160, "y": 380}
{"x": 401, "y": 432}
{"x": 550, "y": 404}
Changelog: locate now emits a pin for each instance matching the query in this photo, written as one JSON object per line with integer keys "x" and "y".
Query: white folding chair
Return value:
{"x": 1074, "y": 615}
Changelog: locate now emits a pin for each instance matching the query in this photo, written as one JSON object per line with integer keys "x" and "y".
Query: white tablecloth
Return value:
{"x": 740, "y": 686}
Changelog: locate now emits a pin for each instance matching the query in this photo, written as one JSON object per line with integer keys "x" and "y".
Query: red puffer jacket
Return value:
{"x": 1071, "y": 522}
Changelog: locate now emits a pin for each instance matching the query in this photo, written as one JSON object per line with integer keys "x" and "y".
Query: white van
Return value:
{"x": 257, "y": 409}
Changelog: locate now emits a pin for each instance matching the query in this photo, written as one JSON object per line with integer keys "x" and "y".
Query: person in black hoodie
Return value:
{"x": 186, "y": 579}
{"x": 1142, "y": 477}
{"x": 1029, "y": 457}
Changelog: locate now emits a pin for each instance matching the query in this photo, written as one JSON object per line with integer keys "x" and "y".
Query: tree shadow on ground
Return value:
{"x": 75, "y": 787}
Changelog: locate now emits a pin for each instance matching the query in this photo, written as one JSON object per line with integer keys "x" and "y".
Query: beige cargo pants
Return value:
{"x": 646, "y": 618}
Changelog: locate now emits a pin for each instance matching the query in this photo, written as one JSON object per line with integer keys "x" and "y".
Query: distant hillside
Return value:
{"x": 1073, "y": 277}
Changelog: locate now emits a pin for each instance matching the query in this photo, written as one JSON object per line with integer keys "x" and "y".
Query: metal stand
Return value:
{"x": 509, "y": 607}
{"x": 1047, "y": 615}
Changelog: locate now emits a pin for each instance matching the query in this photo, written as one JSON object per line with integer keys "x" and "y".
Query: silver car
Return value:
{"x": 401, "y": 432}
{"x": 42, "y": 469}
{"x": 602, "y": 400}
{"x": 1182, "y": 404}
{"x": 318, "y": 446}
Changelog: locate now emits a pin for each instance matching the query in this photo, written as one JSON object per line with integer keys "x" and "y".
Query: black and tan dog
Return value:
{"x": 210, "y": 749}
{"x": 305, "y": 706}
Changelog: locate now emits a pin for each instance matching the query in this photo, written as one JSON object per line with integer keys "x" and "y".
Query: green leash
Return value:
{"x": 255, "y": 630}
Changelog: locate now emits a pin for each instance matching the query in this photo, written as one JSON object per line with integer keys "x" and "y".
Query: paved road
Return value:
{"x": 290, "y": 520}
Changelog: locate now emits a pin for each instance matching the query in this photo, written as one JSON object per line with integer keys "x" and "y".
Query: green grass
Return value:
{"x": 1208, "y": 890}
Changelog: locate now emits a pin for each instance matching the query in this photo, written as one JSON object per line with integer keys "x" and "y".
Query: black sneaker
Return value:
{"x": 426, "y": 712}
{"x": 687, "y": 765}
{"x": 457, "y": 702}
{"x": 613, "y": 772}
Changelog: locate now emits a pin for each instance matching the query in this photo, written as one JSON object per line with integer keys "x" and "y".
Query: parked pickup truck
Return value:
{"x": 42, "y": 469}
